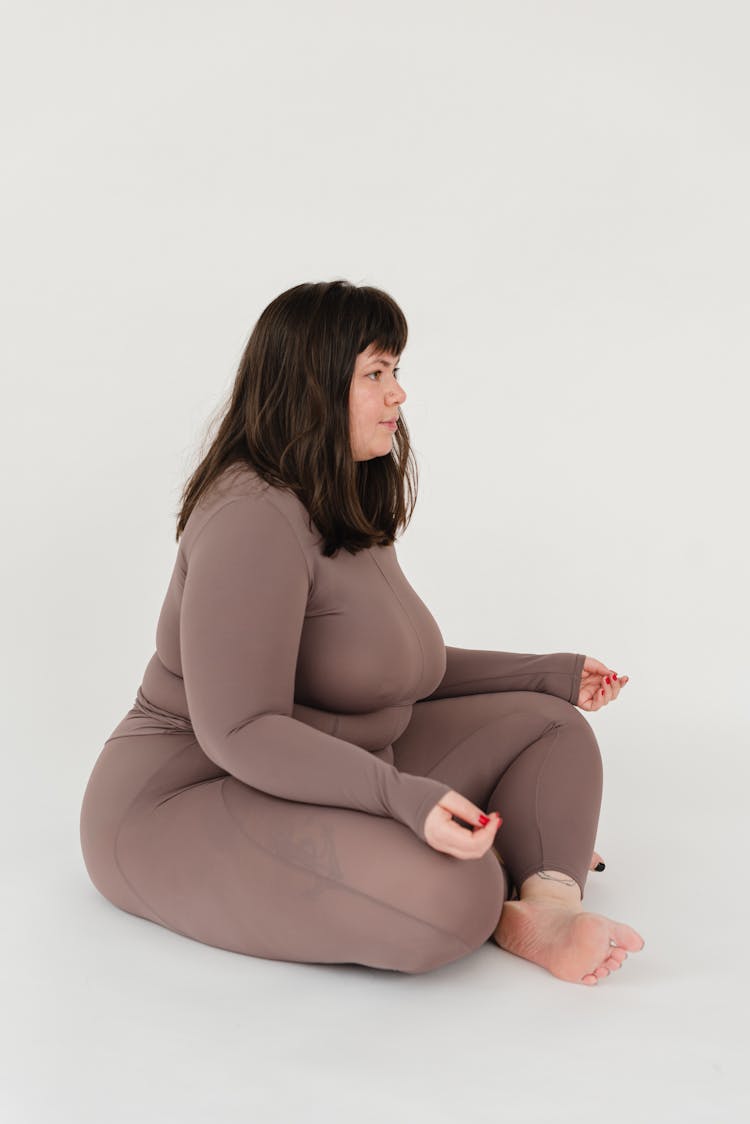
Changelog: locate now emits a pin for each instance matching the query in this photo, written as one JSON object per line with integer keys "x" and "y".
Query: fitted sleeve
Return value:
{"x": 472, "y": 671}
{"x": 243, "y": 607}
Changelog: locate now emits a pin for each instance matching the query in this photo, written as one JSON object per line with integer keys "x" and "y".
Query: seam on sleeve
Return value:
{"x": 292, "y": 528}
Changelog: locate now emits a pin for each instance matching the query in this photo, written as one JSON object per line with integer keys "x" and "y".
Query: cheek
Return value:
{"x": 366, "y": 409}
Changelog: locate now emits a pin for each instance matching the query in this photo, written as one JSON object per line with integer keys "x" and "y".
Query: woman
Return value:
{"x": 304, "y": 770}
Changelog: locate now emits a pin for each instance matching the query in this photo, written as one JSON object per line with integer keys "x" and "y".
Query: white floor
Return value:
{"x": 110, "y": 1017}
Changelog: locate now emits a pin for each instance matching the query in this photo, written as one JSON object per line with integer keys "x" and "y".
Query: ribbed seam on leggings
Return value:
{"x": 555, "y": 726}
{"x": 483, "y": 725}
{"x": 123, "y": 821}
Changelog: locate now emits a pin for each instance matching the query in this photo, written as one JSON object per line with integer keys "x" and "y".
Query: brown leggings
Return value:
{"x": 169, "y": 836}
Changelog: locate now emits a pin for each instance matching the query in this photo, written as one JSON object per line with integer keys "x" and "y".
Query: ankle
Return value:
{"x": 552, "y": 886}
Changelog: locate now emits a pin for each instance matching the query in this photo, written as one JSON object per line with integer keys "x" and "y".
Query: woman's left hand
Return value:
{"x": 599, "y": 685}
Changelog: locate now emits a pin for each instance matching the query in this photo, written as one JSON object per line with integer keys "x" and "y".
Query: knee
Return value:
{"x": 574, "y": 746}
{"x": 577, "y": 753}
{"x": 467, "y": 897}
{"x": 584, "y": 734}
{"x": 569, "y": 718}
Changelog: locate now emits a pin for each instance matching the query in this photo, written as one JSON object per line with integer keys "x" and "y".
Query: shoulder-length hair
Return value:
{"x": 287, "y": 415}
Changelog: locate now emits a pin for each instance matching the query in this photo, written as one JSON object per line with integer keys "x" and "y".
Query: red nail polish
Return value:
{"x": 608, "y": 680}
{"x": 602, "y": 692}
{"x": 484, "y": 820}
{"x": 614, "y": 674}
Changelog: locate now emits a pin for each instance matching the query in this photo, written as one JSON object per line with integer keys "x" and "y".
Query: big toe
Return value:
{"x": 626, "y": 937}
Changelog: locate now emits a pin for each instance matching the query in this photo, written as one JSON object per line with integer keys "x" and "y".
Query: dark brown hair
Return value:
{"x": 287, "y": 415}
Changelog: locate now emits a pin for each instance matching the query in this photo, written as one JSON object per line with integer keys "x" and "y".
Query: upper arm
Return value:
{"x": 243, "y": 607}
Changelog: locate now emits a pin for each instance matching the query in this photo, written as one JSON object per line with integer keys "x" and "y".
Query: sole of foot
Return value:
{"x": 571, "y": 944}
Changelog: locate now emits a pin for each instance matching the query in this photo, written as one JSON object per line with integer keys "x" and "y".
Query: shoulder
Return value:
{"x": 240, "y": 498}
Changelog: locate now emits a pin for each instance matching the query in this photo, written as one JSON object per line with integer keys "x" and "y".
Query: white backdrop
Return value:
{"x": 556, "y": 194}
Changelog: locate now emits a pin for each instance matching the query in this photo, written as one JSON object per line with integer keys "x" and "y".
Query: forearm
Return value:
{"x": 286, "y": 758}
{"x": 373, "y": 730}
{"x": 471, "y": 671}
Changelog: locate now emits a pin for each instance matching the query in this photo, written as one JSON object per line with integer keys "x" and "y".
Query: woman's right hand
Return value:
{"x": 444, "y": 834}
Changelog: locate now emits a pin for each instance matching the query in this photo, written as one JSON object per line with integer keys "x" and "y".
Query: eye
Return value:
{"x": 395, "y": 372}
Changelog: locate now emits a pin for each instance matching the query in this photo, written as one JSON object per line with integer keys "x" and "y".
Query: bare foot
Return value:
{"x": 569, "y": 943}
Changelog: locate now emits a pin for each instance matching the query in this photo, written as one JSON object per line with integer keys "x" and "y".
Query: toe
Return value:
{"x": 612, "y": 964}
{"x": 601, "y": 972}
{"x": 626, "y": 937}
{"x": 589, "y": 979}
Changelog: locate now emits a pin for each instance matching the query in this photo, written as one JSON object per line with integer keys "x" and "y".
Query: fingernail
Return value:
{"x": 608, "y": 680}
{"x": 614, "y": 674}
{"x": 599, "y": 866}
{"x": 602, "y": 692}
{"x": 483, "y": 819}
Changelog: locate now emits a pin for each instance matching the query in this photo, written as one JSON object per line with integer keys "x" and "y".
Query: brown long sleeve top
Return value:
{"x": 297, "y": 672}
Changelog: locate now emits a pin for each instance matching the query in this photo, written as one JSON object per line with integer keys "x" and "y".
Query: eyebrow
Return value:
{"x": 381, "y": 359}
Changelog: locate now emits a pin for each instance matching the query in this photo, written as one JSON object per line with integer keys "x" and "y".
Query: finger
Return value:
{"x": 597, "y": 698}
{"x": 457, "y": 842}
{"x": 462, "y": 807}
{"x": 489, "y": 830}
{"x": 472, "y": 845}
{"x": 469, "y": 826}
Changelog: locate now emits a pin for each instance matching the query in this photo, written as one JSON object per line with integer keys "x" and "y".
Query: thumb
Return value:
{"x": 459, "y": 805}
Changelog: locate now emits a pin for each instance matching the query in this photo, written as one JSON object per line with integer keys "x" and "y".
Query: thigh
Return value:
{"x": 469, "y": 741}
{"x": 233, "y": 867}
{"x": 132, "y": 773}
